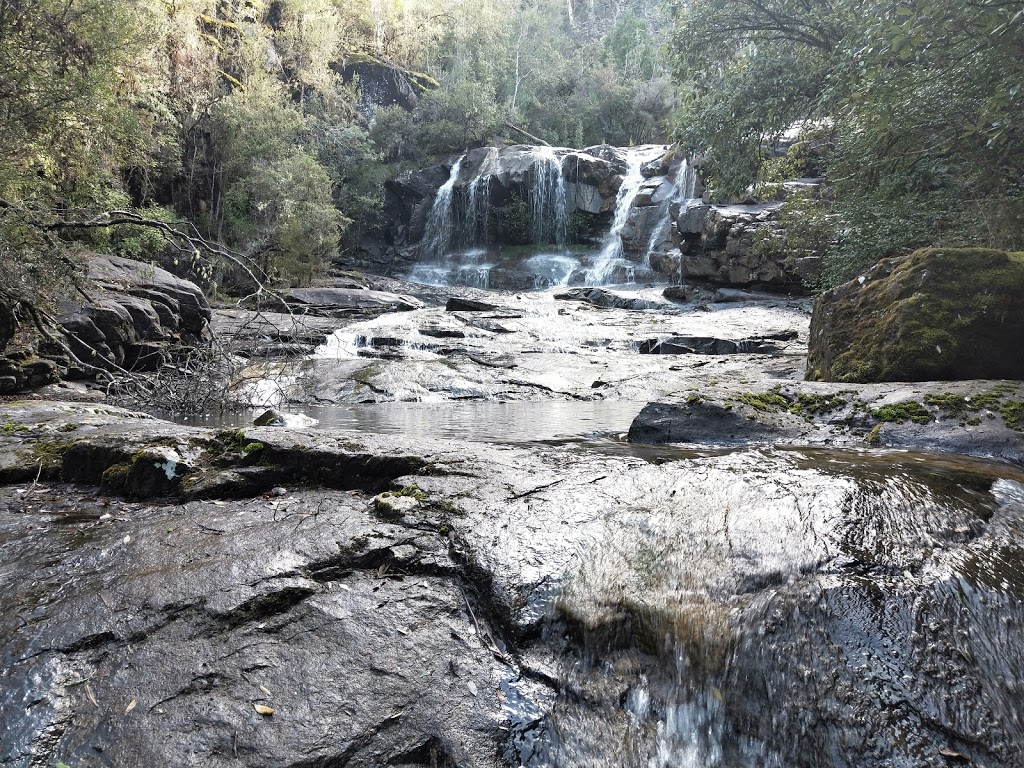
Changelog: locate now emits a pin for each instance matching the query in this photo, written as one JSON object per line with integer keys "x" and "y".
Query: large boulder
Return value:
{"x": 937, "y": 314}
{"x": 133, "y": 315}
{"x": 125, "y": 314}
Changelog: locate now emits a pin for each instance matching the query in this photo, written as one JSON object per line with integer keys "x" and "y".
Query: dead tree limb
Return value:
{"x": 528, "y": 135}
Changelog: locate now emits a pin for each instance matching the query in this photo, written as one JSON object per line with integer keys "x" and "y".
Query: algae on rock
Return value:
{"x": 937, "y": 314}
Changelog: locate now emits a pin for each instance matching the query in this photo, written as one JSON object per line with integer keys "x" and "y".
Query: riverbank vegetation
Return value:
{"x": 267, "y": 127}
{"x": 912, "y": 110}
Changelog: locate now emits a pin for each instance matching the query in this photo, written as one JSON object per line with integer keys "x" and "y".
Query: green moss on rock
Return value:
{"x": 937, "y": 314}
{"x": 767, "y": 401}
{"x": 1013, "y": 414}
{"x": 908, "y": 410}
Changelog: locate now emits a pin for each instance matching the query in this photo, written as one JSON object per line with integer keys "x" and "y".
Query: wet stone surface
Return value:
{"x": 551, "y": 606}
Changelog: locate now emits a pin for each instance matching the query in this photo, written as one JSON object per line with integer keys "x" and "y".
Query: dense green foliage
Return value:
{"x": 913, "y": 108}
{"x": 243, "y": 118}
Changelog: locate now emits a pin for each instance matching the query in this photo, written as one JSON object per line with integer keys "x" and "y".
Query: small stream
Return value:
{"x": 763, "y": 608}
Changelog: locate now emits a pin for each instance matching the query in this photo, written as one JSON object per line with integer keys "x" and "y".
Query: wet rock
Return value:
{"x": 178, "y": 655}
{"x": 601, "y": 297}
{"x": 442, "y": 333}
{"x": 971, "y": 418}
{"x": 937, "y": 314}
{"x": 339, "y": 302}
{"x": 541, "y": 602}
{"x": 733, "y": 295}
{"x": 691, "y": 219}
{"x": 269, "y": 418}
{"x": 679, "y": 293}
{"x": 143, "y": 457}
{"x": 456, "y": 304}
{"x": 706, "y": 345}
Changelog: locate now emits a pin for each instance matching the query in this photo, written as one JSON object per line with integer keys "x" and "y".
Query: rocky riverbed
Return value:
{"x": 269, "y": 596}
{"x": 758, "y": 571}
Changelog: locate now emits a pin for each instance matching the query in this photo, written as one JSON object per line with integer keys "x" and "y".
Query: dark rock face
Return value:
{"x": 717, "y": 244}
{"x": 937, "y": 314}
{"x": 600, "y": 297}
{"x": 135, "y": 316}
{"x": 170, "y": 665}
{"x": 383, "y": 85}
{"x": 456, "y": 304}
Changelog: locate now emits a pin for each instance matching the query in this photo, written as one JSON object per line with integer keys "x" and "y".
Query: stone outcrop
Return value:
{"x": 937, "y": 314}
{"x": 128, "y": 314}
{"x": 974, "y": 418}
{"x": 718, "y": 245}
{"x": 380, "y": 84}
{"x": 600, "y": 297}
{"x": 308, "y": 598}
{"x": 710, "y": 345}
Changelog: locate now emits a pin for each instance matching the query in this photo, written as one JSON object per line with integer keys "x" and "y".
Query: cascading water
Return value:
{"x": 473, "y": 225}
{"x": 548, "y": 200}
{"x": 611, "y": 250}
{"x": 474, "y": 214}
{"x": 685, "y": 184}
{"x": 440, "y": 223}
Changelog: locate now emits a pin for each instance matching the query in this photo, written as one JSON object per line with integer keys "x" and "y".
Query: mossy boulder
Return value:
{"x": 939, "y": 314}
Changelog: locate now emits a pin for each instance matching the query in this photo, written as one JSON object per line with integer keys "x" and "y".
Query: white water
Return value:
{"x": 438, "y": 235}
{"x": 474, "y": 225}
{"x": 548, "y": 200}
{"x": 611, "y": 250}
{"x": 685, "y": 184}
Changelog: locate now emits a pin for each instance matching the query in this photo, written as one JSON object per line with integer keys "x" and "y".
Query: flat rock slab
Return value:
{"x": 977, "y": 418}
{"x": 276, "y": 326}
{"x": 415, "y": 603}
{"x": 709, "y": 345}
{"x": 600, "y": 297}
{"x": 340, "y": 302}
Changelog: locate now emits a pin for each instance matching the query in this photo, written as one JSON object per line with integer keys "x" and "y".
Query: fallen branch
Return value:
{"x": 528, "y": 135}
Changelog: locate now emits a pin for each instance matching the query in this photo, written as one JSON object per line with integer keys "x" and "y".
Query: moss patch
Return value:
{"x": 1013, "y": 414}
{"x": 908, "y": 410}
{"x": 767, "y": 401}
{"x": 875, "y": 435}
{"x": 816, "y": 405}
{"x": 937, "y": 314}
{"x": 774, "y": 401}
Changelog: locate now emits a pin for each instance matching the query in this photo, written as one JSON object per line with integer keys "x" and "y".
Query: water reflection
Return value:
{"x": 798, "y": 607}
{"x": 518, "y": 422}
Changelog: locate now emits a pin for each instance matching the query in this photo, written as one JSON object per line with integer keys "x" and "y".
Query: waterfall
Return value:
{"x": 548, "y": 200}
{"x": 438, "y": 235}
{"x": 473, "y": 230}
{"x": 611, "y": 250}
{"x": 685, "y": 183}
